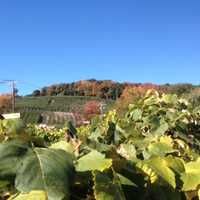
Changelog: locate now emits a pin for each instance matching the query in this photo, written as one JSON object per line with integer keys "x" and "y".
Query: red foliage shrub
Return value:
{"x": 91, "y": 109}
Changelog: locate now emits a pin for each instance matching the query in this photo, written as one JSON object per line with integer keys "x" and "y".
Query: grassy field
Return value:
{"x": 53, "y": 110}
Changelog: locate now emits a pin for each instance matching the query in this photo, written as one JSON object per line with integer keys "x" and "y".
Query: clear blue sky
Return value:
{"x": 51, "y": 41}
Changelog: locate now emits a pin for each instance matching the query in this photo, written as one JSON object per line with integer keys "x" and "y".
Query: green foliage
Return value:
{"x": 150, "y": 153}
{"x": 93, "y": 161}
{"x": 47, "y": 134}
{"x": 154, "y": 136}
{"x": 191, "y": 176}
{"x": 10, "y": 128}
{"x": 33, "y": 168}
{"x": 106, "y": 188}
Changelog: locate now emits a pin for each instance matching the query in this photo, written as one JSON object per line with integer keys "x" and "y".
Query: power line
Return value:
{"x": 28, "y": 83}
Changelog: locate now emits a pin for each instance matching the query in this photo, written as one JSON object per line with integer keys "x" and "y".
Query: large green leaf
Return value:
{"x": 160, "y": 167}
{"x": 191, "y": 177}
{"x": 160, "y": 148}
{"x": 11, "y": 154}
{"x": 93, "y": 161}
{"x": 190, "y": 181}
{"x": 176, "y": 164}
{"x": 105, "y": 188}
{"x": 49, "y": 170}
{"x": 66, "y": 146}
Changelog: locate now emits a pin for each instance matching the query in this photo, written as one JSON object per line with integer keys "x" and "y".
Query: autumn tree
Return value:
{"x": 5, "y": 103}
{"x": 108, "y": 89}
{"x": 132, "y": 93}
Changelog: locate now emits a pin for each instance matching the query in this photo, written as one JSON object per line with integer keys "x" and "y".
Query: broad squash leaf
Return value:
{"x": 160, "y": 167}
{"x": 66, "y": 146}
{"x": 160, "y": 148}
{"x": 93, "y": 161}
{"x": 176, "y": 164}
{"x": 11, "y": 154}
{"x": 49, "y": 170}
{"x": 157, "y": 168}
{"x": 191, "y": 177}
{"x": 190, "y": 181}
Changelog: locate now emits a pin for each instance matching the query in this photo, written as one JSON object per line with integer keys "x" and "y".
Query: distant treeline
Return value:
{"x": 106, "y": 89}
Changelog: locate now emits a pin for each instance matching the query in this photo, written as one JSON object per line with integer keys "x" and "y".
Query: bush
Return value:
{"x": 91, "y": 109}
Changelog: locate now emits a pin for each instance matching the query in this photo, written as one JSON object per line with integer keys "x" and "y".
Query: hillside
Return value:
{"x": 107, "y": 89}
{"x": 53, "y": 109}
{"x": 68, "y": 99}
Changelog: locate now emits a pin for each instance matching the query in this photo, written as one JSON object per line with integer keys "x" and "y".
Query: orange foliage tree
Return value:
{"x": 5, "y": 103}
{"x": 86, "y": 88}
{"x": 132, "y": 93}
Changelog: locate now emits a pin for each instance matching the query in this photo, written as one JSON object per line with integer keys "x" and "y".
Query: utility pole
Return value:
{"x": 13, "y": 95}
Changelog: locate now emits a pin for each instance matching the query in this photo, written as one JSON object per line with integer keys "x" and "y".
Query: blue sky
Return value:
{"x": 50, "y": 41}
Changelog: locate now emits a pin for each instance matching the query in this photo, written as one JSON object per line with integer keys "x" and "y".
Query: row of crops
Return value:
{"x": 151, "y": 153}
{"x": 45, "y": 109}
{"x": 54, "y": 103}
{"x": 50, "y": 118}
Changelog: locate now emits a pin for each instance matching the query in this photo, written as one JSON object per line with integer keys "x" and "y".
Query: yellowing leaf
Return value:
{"x": 33, "y": 195}
{"x": 170, "y": 98}
{"x": 64, "y": 146}
{"x": 160, "y": 148}
{"x": 160, "y": 167}
{"x": 176, "y": 164}
{"x": 93, "y": 161}
{"x": 191, "y": 178}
